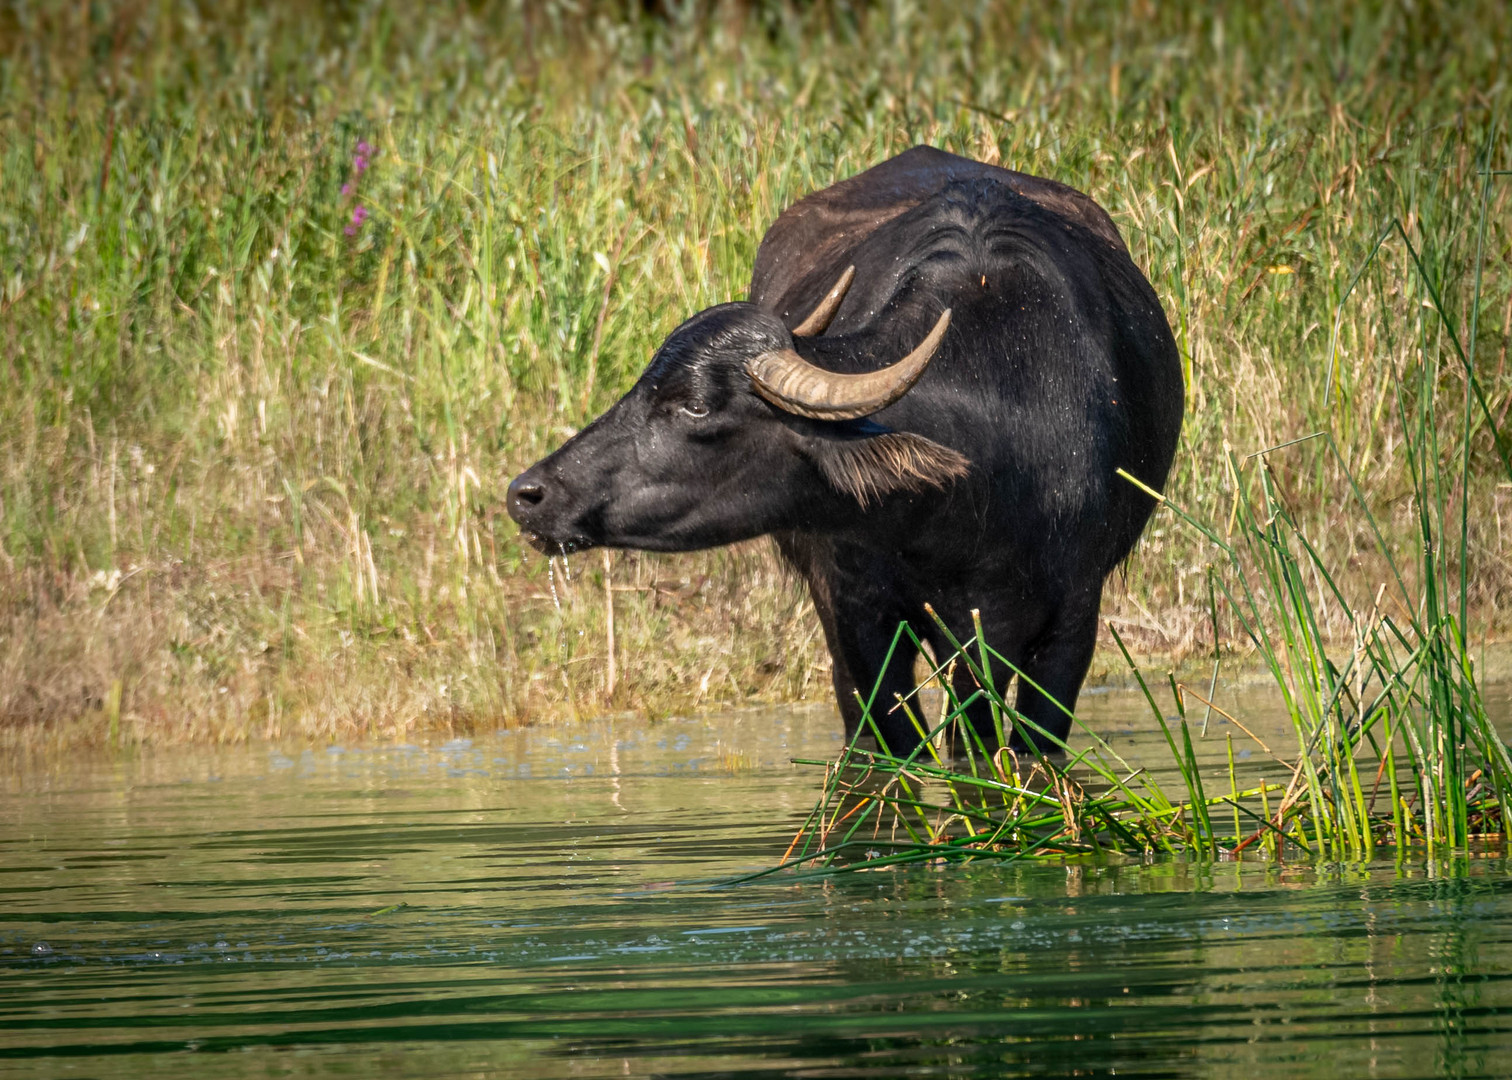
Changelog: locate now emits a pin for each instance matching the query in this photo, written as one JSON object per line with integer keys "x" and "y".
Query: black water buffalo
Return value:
{"x": 940, "y": 367}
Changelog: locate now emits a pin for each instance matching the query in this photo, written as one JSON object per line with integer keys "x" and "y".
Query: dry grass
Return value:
{"x": 252, "y": 464}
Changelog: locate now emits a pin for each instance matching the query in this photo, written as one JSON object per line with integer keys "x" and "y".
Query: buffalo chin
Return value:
{"x": 547, "y": 546}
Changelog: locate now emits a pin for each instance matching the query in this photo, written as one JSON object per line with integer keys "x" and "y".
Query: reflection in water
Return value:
{"x": 528, "y": 905}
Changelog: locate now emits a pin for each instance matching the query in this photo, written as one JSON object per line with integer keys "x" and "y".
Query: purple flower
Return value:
{"x": 361, "y": 159}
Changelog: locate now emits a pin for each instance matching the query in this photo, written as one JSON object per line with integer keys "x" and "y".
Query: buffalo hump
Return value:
{"x": 841, "y": 216}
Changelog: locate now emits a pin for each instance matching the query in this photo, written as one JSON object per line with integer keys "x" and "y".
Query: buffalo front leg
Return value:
{"x": 1056, "y": 662}
{"x": 855, "y": 596}
{"x": 869, "y": 669}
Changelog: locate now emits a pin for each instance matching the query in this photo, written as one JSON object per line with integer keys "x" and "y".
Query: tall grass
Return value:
{"x": 252, "y": 463}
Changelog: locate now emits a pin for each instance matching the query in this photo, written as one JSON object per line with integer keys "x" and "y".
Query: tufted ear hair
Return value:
{"x": 875, "y": 465}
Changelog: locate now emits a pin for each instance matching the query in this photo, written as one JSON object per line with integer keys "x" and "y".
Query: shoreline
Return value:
{"x": 1241, "y": 672}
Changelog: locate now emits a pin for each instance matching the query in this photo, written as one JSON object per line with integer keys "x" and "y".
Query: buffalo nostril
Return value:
{"x": 525, "y": 494}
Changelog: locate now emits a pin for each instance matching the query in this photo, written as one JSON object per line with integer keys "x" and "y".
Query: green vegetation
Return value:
{"x": 1393, "y": 746}
{"x": 254, "y": 438}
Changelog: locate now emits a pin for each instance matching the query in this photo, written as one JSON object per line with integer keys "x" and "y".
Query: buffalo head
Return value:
{"x": 730, "y": 433}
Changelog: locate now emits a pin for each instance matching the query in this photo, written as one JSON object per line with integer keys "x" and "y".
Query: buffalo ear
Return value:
{"x": 869, "y": 468}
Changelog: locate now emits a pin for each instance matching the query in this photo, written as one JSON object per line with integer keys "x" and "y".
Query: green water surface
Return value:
{"x": 529, "y": 904}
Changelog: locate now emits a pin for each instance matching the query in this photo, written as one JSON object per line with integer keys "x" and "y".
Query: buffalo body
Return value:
{"x": 989, "y": 485}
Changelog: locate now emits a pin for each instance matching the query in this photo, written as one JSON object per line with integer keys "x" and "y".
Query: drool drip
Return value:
{"x": 551, "y": 580}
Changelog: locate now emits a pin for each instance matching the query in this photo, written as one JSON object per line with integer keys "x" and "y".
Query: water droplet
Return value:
{"x": 551, "y": 580}
{"x": 42, "y": 948}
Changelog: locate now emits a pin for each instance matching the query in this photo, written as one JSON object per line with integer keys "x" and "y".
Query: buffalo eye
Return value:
{"x": 696, "y": 409}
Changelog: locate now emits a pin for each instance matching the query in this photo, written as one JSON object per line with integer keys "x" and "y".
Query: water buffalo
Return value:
{"x": 940, "y": 367}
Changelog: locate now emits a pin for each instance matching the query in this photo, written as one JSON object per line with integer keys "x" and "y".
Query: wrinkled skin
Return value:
{"x": 1058, "y": 369}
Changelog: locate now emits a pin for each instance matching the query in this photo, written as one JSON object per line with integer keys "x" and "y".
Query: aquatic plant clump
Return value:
{"x": 1387, "y": 773}
{"x": 1359, "y": 780}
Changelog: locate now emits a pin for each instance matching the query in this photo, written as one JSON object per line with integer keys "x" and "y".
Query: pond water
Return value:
{"x": 536, "y": 904}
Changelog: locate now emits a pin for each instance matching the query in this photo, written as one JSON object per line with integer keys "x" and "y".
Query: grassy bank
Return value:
{"x": 286, "y": 298}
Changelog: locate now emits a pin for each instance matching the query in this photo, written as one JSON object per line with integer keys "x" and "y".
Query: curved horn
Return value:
{"x": 794, "y": 385}
{"x": 819, "y": 319}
